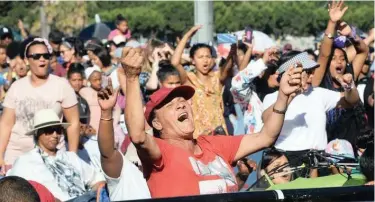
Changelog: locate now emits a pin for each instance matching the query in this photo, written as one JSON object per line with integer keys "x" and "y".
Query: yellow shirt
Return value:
{"x": 207, "y": 104}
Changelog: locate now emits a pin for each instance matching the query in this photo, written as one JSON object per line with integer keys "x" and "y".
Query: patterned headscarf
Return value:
{"x": 67, "y": 177}
{"x": 45, "y": 41}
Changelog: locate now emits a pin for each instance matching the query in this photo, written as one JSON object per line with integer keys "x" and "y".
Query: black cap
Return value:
{"x": 5, "y": 31}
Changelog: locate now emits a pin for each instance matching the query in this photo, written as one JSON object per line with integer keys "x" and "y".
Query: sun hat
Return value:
{"x": 162, "y": 94}
{"x": 46, "y": 118}
{"x": 303, "y": 58}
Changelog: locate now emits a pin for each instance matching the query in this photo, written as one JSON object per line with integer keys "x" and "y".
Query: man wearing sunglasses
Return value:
{"x": 62, "y": 172}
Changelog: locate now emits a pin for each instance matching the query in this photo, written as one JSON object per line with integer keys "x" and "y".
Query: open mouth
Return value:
{"x": 42, "y": 65}
{"x": 182, "y": 117}
{"x": 206, "y": 66}
{"x": 339, "y": 70}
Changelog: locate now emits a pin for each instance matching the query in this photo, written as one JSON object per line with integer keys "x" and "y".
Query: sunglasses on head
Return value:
{"x": 51, "y": 130}
{"x": 36, "y": 56}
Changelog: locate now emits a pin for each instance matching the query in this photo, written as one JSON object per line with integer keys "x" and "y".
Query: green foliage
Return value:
{"x": 11, "y": 11}
{"x": 172, "y": 18}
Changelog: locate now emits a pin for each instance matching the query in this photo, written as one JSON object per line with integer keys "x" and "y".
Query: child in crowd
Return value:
{"x": 122, "y": 28}
{"x": 90, "y": 94}
{"x": 168, "y": 76}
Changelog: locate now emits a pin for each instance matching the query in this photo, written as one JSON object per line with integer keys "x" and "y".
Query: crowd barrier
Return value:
{"x": 354, "y": 193}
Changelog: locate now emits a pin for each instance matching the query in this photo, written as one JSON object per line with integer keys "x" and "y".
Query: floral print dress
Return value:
{"x": 207, "y": 104}
{"x": 244, "y": 95}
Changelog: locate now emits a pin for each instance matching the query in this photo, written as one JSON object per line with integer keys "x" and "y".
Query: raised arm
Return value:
{"x": 247, "y": 57}
{"x": 371, "y": 37}
{"x": 360, "y": 58}
{"x": 111, "y": 158}
{"x": 228, "y": 65}
{"x": 336, "y": 11}
{"x": 289, "y": 84}
{"x": 176, "y": 58}
{"x": 350, "y": 96}
{"x": 24, "y": 34}
{"x": 134, "y": 117}
{"x": 240, "y": 87}
{"x": 152, "y": 83}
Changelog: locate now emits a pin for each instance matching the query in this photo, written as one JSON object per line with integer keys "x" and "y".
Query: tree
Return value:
{"x": 169, "y": 19}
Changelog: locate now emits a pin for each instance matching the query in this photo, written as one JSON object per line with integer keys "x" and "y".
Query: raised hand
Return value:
{"x": 336, "y": 10}
{"x": 20, "y": 24}
{"x": 243, "y": 169}
{"x": 271, "y": 54}
{"x": 107, "y": 97}
{"x": 344, "y": 29}
{"x": 233, "y": 52}
{"x": 249, "y": 45}
{"x": 291, "y": 81}
{"x": 132, "y": 60}
{"x": 193, "y": 30}
{"x": 158, "y": 55}
{"x": 346, "y": 81}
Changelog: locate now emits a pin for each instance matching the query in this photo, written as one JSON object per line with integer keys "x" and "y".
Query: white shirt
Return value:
{"x": 131, "y": 184}
{"x": 305, "y": 120}
{"x": 90, "y": 153}
{"x": 361, "y": 91}
{"x": 30, "y": 166}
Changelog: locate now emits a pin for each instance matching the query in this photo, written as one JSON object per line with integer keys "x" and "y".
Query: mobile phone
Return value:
{"x": 248, "y": 34}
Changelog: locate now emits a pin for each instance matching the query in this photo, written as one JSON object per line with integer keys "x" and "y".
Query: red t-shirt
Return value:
{"x": 180, "y": 173}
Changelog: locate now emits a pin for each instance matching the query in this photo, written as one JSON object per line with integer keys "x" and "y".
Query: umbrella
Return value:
{"x": 261, "y": 40}
{"x": 337, "y": 180}
{"x": 98, "y": 30}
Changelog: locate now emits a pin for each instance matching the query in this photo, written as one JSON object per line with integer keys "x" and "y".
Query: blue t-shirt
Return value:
{"x": 2, "y": 80}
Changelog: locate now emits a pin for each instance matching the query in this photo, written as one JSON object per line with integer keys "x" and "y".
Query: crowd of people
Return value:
{"x": 119, "y": 120}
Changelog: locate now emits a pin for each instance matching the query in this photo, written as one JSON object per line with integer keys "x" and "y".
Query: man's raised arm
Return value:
{"x": 290, "y": 83}
{"x": 132, "y": 60}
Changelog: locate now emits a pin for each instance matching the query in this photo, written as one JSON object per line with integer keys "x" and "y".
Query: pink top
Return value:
{"x": 91, "y": 96}
{"x": 116, "y": 32}
{"x": 25, "y": 100}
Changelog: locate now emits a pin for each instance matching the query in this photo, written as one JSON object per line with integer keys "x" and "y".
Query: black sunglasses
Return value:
{"x": 51, "y": 130}
{"x": 36, "y": 56}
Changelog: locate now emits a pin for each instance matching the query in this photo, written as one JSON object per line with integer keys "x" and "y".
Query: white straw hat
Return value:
{"x": 46, "y": 118}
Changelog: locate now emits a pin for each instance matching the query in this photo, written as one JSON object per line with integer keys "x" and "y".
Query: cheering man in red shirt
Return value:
{"x": 174, "y": 163}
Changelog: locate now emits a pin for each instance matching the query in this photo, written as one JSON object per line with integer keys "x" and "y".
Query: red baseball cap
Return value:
{"x": 162, "y": 94}
{"x": 44, "y": 194}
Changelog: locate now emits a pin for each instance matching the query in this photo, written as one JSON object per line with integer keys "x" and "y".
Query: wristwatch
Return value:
{"x": 329, "y": 35}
